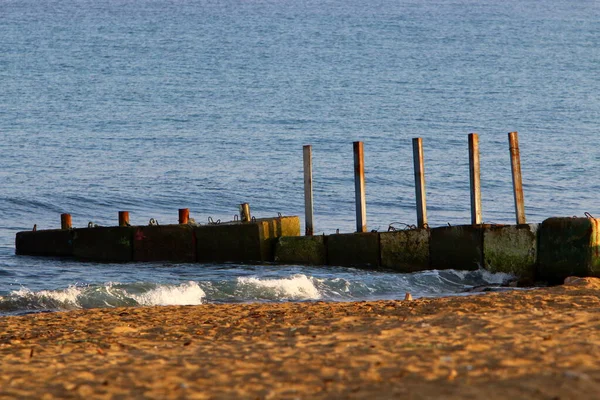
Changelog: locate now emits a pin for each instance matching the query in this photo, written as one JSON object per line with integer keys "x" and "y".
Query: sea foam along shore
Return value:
{"x": 542, "y": 343}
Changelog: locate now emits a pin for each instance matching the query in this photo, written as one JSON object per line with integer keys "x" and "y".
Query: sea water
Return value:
{"x": 154, "y": 105}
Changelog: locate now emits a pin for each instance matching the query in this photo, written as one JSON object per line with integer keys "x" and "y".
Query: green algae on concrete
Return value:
{"x": 511, "y": 249}
{"x": 104, "y": 244}
{"x": 456, "y": 247}
{"x": 271, "y": 229}
{"x": 306, "y": 250}
{"x": 243, "y": 241}
{"x": 354, "y": 249}
{"x": 405, "y": 250}
{"x": 164, "y": 243}
{"x": 234, "y": 242}
{"x": 53, "y": 243}
{"x": 568, "y": 247}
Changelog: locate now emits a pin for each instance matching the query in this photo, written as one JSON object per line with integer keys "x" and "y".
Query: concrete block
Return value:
{"x": 406, "y": 250}
{"x": 54, "y": 242}
{"x": 270, "y": 229}
{"x": 354, "y": 249}
{"x": 164, "y": 243}
{"x": 104, "y": 244}
{"x": 234, "y": 242}
{"x": 457, "y": 247}
{"x": 243, "y": 241}
{"x": 568, "y": 247}
{"x": 285, "y": 226}
{"x": 301, "y": 250}
{"x": 511, "y": 249}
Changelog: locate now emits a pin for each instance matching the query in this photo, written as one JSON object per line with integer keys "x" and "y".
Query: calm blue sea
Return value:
{"x": 154, "y": 105}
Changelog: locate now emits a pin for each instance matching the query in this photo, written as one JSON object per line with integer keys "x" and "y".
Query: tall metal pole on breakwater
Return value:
{"x": 359, "y": 187}
{"x": 308, "y": 191}
{"x": 419, "y": 167}
{"x": 475, "y": 179}
{"x": 517, "y": 179}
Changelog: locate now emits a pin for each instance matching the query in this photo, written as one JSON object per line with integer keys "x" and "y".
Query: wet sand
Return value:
{"x": 534, "y": 344}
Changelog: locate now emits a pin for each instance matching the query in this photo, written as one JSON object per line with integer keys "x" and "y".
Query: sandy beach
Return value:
{"x": 534, "y": 344}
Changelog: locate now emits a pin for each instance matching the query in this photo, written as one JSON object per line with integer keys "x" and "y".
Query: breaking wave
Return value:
{"x": 358, "y": 285}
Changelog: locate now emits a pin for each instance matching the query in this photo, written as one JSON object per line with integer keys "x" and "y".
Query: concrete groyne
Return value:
{"x": 550, "y": 251}
{"x": 235, "y": 241}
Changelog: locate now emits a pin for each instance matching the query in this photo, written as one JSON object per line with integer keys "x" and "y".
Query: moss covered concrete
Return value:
{"x": 354, "y": 250}
{"x": 457, "y": 247}
{"x": 164, "y": 243}
{"x": 104, "y": 244}
{"x": 270, "y": 229}
{"x": 55, "y": 243}
{"x": 243, "y": 241}
{"x": 406, "y": 250}
{"x": 511, "y": 249}
{"x": 568, "y": 247}
{"x": 307, "y": 250}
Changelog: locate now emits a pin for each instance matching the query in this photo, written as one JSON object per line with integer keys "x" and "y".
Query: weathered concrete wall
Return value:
{"x": 354, "y": 249}
{"x": 457, "y": 247}
{"x": 569, "y": 247}
{"x": 306, "y": 250}
{"x": 236, "y": 242}
{"x": 164, "y": 243}
{"x": 270, "y": 229}
{"x": 406, "y": 250}
{"x": 106, "y": 244}
{"x": 55, "y": 243}
{"x": 243, "y": 241}
{"x": 558, "y": 248}
{"x": 511, "y": 249}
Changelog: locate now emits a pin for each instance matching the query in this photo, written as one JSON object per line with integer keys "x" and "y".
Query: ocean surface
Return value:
{"x": 154, "y": 105}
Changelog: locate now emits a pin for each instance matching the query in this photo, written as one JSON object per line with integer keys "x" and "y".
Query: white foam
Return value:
{"x": 67, "y": 297}
{"x": 189, "y": 293}
{"x": 496, "y": 278}
{"x": 296, "y": 287}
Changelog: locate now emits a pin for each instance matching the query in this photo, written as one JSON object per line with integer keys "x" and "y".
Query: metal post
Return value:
{"x": 245, "y": 212}
{"x": 308, "y": 191}
{"x": 123, "y": 218}
{"x": 184, "y": 215}
{"x": 475, "y": 179}
{"x": 420, "y": 182}
{"x": 359, "y": 187}
{"x": 65, "y": 221}
{"x": 515, "y": 161}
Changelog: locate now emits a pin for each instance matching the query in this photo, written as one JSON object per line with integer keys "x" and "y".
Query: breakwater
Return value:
{"x": 247, "y": 240}
{"x": 550, "y": 251}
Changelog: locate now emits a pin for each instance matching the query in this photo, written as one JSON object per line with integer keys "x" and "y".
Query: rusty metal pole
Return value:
{"x": 184, "y": 215}
{"x": 475, "y": 179}
{"x": 245, "y": 212}
{"x": 123, "y": 218}
{"x": 65, "y": 221}
{"x": 515, "y": 162}
{"x": 359, "y": 187}
{"x": 308, "y": 191}
{"x": 419, "y": 165}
